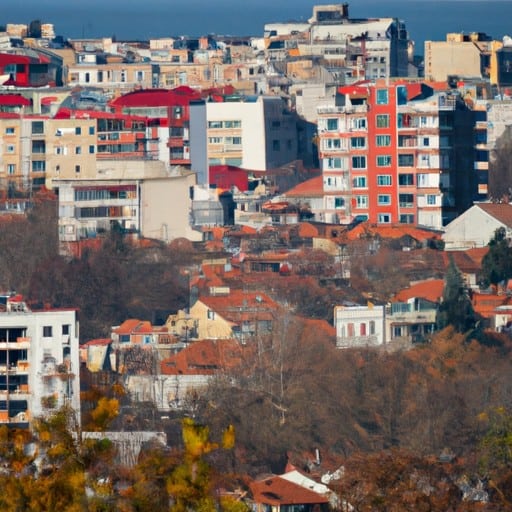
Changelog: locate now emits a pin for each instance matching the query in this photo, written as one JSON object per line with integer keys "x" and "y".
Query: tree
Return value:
{"x": 497, "y": 263}
{"x": 456, "y": 308}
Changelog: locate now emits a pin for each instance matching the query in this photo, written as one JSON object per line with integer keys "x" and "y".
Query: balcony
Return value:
{"x": 348, "y": 109}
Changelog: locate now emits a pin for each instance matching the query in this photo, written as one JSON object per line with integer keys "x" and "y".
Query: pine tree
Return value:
{"x": 497, "y": 263}
{"x": 456, "y": 308}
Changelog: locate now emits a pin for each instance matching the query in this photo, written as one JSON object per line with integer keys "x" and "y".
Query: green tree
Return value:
{"x": 497, "y": 263}
{"x": 456, "y": 308}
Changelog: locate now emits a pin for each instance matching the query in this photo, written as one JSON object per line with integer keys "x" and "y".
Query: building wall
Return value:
{"x": 443, "y": 58}
{"x": 52, "y": 359}
{"x": 358, "y": 326}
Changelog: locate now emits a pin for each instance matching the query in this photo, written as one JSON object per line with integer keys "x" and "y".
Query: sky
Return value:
{"x": 144, "y": 19}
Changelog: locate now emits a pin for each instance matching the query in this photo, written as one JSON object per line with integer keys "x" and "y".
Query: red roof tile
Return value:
{"x": 431, "y": 290}
{"x": 311, "y": 187}
{"x": 278, "y": 491}
{"x": 500, "y": 211}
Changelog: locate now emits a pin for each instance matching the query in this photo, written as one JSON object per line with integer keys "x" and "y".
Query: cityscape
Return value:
{"x": 268, "y": 272}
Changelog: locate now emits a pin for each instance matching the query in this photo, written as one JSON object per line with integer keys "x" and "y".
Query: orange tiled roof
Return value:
{"x": 134, "y": 326}
{"x": 391, "y": 231}
{"x": 311, "y": 187}
{"x": 500, "y": 211}
{"x": 96, "y": 342}
{"x": 278, "y": 491}
{"x": 431, "y": 290}
{"x": 485, "y": 303}
{"x": 307, "y": 230}
{"x": 203, "y": 357}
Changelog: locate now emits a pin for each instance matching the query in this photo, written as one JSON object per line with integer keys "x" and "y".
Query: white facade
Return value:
{"x": 39, "y": 363}
{"x": 359, "y": 326}
{"x": 256, "y": 132}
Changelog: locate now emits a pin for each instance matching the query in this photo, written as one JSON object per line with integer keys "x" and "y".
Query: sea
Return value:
{"x": 145, "y": 19}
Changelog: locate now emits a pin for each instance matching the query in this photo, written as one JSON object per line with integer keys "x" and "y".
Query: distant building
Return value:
{"x": 39, "y": 362}
{"x": 359, "y": 326}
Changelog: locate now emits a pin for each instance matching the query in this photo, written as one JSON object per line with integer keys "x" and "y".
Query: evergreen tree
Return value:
{"x": 456, "y": 308}
{"x": 497, "y": 263}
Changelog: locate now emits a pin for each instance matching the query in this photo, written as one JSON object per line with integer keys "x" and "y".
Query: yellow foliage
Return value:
{"x": 228, "y": 438}
{"x": 196, "y": 439}
{"x": 106, "y": 410}
{"x": 229, "y": 504}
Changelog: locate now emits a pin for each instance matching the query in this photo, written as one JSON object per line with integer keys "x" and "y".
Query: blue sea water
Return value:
{"x": 144, "y": 19}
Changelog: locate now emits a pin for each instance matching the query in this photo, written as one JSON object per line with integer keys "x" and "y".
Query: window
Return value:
{"x": 425, "y": 141}
{"x": 123, "y": 75}
{"x": 401, "y": 95}
{"x": 66, "y": 329}
{"x": 383, "y": 199}
{"x": 362, "y": 329}
{"x": 47, "y": 331}
{"x": 77, "y": 168}
{"x": 358, "y": 123}
{"x": 10, "y": 130}
{"x": 10, "y": 148}
{"x": 78, "y": 150}
{"x": 38, "y": 165}
{"x": 276, "y": 145}
{"x": 140, "y": 76}
{"x": 214, "y": 124}
{"x": 37, "y": 127}
{"x": 382, "y": 121}
{"x": 332, "y": 125}
{"x": 78, "y": 130}
{"x": 361, "y": 201}
{"x": 215, "y": 140}
{"x": 424, "y": 161}
{"x": 333, "y": 163}
{"x": 358, "y": 142}
{"x": 406, "y": 180}
{"x": 405, "y": 160}
{"x": 384, "y": 218}
{"x": 100, "y": 76}
{"x": 382, "y": 96}
{"x": 359, "y": 182}
{"x": 358, "y": 162}
{"x": 384, "y": 161}
{"x": 406, "y": 200}
{"x": 331, "y": 143}
{"x": 339, "y": 202}
{"x": 91, "y": 130}
{"x": 384, "y": 180}
{"x": 407, "y": 218}
{"x": 38, "y": 146}
{"x": 350, "y": 330}
{"x": 87, "y": 78}
{"x": 91, "y": 150}
{"x": 383, "y": 140}
{"x": 124, "y": 338}
{"x": 11, "y": 168}
{"x": 431, "y": 199}
{"x": 372, "y": 327}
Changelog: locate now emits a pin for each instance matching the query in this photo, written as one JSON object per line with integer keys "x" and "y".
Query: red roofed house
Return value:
{"x": 229, "y": 313}
{"x": 411, "y": 316}
{"x": 278, "y": 494}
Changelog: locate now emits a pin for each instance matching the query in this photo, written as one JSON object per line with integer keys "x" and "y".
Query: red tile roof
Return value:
{"x": 392, "y": 231}
{"x": 309, "y": 188}
{"x": 134, "y": 326}
{"x": 278, "y": 491}
{"x": 500, "y": 211}
{"x": 156, "y": 98}
{"x": 97, "y": 342}
{"x": 14, "y": 99}
{"x": 431, "y": 290}
{"x": 203, "y": 357}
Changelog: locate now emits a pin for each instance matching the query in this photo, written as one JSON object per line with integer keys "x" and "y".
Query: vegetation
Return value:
{"x": 497, "y": 263}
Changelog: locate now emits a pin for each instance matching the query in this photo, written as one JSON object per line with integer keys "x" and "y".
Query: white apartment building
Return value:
{"x": 39, "y": 362}
{"x": 253, "y": 132}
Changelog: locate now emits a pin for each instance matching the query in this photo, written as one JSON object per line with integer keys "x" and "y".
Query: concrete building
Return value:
{"x": 254, "y": 132}
{"x": 39, "y": 362}
{"x": 397, "y": 152}
{"x": 154, "y": 206}
{"x": 462, "y": 55}
{"x": 359, "y": 326}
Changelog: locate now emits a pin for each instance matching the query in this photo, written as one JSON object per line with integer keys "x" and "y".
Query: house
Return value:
{"x": 359, "y": 326}
{"x": 476, "y": 226}
{"x": 227, "y": 313}
{"x": 411, "y": 314}
{"x": 279, "y": 494}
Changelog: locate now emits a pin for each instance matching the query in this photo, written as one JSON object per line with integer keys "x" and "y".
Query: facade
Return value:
{"x": 157, "y": 208}
{"x": 39, "y": 362}
{"x": 461, "y": 55}
{"x": 255, "y": 132}
{"x": 398, "y": 153}
{"x": 359, "y": 326}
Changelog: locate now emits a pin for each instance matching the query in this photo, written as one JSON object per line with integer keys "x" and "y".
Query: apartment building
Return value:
{"x": 253, "y": 132}
{"x": 368, "y": 48}
{"x": 397, "y": 152}
{"x": 39, "y": 361}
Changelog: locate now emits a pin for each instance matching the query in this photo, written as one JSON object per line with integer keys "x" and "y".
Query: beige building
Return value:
{"x": 461, "y": 55}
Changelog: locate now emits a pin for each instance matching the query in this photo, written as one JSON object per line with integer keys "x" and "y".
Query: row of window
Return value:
{"x": 225, "y": 124}
{"x": 383, "y": 121}
{"x": 404, "y": 141}
{"x": 404, "y": 200}
{"x": 48, "y": 330}
{"x": 235, "y": 141}
{"x": 96, "y": 195}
